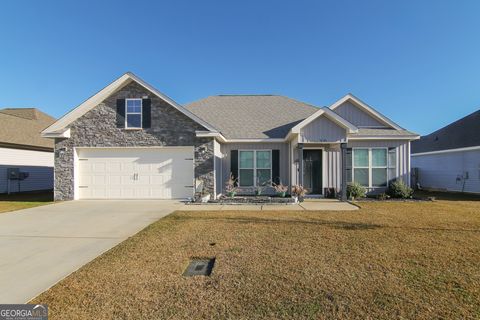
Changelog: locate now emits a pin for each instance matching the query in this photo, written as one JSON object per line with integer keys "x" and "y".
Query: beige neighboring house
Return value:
{"x": 24, "y": 154}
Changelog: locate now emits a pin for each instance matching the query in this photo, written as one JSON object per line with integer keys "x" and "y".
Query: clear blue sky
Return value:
{"x": 418, "y": 62}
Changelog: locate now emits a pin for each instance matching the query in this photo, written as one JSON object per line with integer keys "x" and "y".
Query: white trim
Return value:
{"x": 331, "y": 115}
{"x": 59, "y": 134}
{"x": 446, "y": 151}
{"x": 370, "y": 166}
{"x": 140, "y": 113}
{"x": 100, "y": 96}
{"x": 367, "y": 108}
{"x": 254, "y": 140}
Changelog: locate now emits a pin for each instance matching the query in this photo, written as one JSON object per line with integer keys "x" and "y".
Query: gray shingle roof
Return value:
{"x": 22, "y": 126}
{"x": 459, "y": 134}
{"x": 382, "y": 132}
{"x": 251, "y": 116}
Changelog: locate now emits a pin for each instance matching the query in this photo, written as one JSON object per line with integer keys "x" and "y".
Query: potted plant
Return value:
{"x": 205, "y": 196}
{"x": 298, "y": 193}
{"x": 280, "y": 189}
{"x": 230, "y": 188}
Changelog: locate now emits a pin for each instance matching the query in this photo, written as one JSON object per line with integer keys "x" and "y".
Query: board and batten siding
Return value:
{"x": 447, "y": 171}
{"x": 354, "y": 115}
{"x": 39, "y": 165}
{"x": 228, "y": 147}
{"x": 322, "y": 130}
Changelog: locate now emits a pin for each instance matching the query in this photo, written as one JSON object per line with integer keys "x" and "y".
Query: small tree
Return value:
{"x": 398, "y": 189}
{"x": 355, "y": 190}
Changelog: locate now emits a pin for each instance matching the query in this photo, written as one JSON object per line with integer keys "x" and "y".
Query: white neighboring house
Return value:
{"x": 449, "y": 158}
{"x": 22, "y": 148}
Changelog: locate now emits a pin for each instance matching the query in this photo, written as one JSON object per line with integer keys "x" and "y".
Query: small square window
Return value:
{"x": 133, "y": 113}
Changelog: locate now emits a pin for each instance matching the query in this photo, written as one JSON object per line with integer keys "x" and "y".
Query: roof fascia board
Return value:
{"x": 57, "y": 134}
{"x": 384, "y": 138}
{"x": 100, "y": 96}
{"x": 365, "y": 107}
{"x": 446, "y": 151}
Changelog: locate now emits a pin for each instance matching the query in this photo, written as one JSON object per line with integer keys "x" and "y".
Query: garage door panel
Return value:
{"x": 135, "y": 173}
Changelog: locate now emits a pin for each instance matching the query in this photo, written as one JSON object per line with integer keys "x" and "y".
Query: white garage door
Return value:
{"x": 135, "y": 173}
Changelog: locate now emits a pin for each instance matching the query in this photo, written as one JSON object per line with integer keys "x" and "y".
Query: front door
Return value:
{"x": 312, "y": 171}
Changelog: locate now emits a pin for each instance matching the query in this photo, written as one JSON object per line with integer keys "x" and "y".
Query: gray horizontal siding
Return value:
{"x": 445, "y": 171}
{"x": 322, "y": 130}
{"x": 40, "y": 178}
{"x": 228, "y": 147}
{"x": 354, "y": 115}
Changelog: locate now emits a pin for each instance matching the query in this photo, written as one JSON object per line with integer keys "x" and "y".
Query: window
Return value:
{"x": 371, "y": 167}
{"x": 255, "y": 168}
{"x": 133, "y": 114}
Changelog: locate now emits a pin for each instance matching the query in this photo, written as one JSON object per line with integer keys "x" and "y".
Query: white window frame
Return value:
{"x": 254, "y": 167}
{"x": 370, "y": 166}
{"x": 127, "y": 113}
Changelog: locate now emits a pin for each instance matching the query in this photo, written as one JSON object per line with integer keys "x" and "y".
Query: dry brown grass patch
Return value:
{"x": 387, "y": 260}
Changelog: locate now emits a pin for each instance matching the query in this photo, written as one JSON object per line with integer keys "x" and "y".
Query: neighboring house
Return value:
{"x": 24, "y": 151}
{"x": 131, "y": 141}
{"x": 449, "y": 158}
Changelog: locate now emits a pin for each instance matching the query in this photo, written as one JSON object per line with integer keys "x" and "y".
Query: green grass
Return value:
{"x": 24, "y": 200}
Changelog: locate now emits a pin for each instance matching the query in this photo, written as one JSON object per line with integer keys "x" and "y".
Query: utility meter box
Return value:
{"x": 13, "y": 173}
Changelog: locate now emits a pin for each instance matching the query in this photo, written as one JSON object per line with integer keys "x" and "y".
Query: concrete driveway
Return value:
{"x": 42, "y": 245}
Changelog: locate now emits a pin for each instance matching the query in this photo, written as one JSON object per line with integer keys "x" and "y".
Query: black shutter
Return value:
{"x": 234, "y": 164}
{"x": 146, "y": 113}
{"x": 120, "y": 113}
{"x": 276, "y": 166}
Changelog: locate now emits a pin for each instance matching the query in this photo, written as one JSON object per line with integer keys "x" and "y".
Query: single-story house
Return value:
{"x": 130, "y": 141}
{"x": 26, "y": 159}
{"x": 449, "y": 158}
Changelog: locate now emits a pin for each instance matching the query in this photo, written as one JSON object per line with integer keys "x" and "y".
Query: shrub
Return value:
{"x": 356, "y": 190}
{"x": 383, "y": 196}
{"x": 398, "y": 189}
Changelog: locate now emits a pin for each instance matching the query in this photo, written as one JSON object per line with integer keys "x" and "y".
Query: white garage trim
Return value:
{"x": 117, "y": 162}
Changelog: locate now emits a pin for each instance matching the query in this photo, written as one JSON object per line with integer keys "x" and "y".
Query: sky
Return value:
{"x": 417, "y": 62}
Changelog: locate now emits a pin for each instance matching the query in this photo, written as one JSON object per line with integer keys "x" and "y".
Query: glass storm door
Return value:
{"x": 312, "y": 171}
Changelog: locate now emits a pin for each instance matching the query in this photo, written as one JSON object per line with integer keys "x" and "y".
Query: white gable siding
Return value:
{"x": 322, "y": 129}
{"x": 38, "y": 164}
{"x": 356, "y": 116}
{"x": 446, "y": 171}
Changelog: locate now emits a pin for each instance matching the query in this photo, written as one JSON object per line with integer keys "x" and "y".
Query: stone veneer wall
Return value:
{"x": 97, "y": 128}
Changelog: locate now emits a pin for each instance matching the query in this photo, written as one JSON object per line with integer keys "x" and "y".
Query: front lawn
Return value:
{"x": 17, "y": 201}
{"x": 385, "y": 261}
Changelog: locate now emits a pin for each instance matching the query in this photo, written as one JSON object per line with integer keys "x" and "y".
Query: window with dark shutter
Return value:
{"x": 146, "y": 113}
{"x": 120, "y": 113}
{"x": 276, "y": 166}
{"x": 234, "y": 165}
